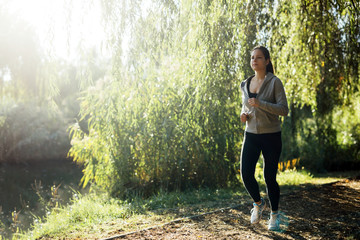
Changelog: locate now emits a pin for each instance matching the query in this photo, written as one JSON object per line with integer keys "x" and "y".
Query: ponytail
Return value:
{"x": 269, "y": 67}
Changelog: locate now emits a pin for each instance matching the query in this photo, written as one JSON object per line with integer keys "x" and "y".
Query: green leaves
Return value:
{"x": 162, "y": 119}
{"x": 167, "y": 115}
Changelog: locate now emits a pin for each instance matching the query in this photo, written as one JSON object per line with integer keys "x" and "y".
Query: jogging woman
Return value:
{"x": 264, "y": 100}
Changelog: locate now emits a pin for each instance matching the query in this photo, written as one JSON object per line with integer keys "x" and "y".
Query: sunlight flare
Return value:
{"x": 65, "y": 28}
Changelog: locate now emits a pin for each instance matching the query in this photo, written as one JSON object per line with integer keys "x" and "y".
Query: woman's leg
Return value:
{"x": 271, "y": 150}
{"x": 249, "y": 156}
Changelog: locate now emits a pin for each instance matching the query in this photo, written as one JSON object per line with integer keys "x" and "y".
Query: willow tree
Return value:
{"x": 167, "y": 117}
{"x": 316, "y": 46}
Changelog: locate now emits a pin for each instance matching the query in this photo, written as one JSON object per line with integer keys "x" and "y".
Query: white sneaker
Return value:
{"x": 277, "y": 219}
{"x": 256, "y": 212}
{"x": 274, "y": 222}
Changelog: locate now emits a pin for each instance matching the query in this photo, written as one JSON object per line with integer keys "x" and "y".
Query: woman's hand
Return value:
{"x": 244, "y": 117}
{"x": 253, "y": 102}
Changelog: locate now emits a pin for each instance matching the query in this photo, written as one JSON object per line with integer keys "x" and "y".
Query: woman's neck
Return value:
{"x": 260, "y": 75}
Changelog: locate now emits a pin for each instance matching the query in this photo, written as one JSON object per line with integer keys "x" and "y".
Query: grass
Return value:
{"x": 96, "y": 215}
{"x": 26, "y": 189}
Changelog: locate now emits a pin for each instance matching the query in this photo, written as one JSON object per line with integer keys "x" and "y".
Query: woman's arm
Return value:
{"x": 281, "y": 106}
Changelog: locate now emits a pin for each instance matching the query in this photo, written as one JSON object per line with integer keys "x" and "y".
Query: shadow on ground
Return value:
{"x": 329, "y": 211}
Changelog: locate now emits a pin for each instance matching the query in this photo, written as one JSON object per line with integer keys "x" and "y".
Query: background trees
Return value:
{"x": 167, "y": 116}
{"x": 164, "y": 111}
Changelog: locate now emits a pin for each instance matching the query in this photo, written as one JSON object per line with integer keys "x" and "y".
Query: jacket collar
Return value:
{"x": 267, "y": 79}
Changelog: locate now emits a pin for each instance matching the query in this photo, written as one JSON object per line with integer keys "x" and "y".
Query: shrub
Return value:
{"x": 29, "y": 133}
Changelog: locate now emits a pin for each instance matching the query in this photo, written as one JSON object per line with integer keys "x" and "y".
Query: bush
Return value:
{"x": 169, "y": 118}
{"x": 29, "y": 133}
{"x": 158, "y": 135}
{"x": 329, "y": 143}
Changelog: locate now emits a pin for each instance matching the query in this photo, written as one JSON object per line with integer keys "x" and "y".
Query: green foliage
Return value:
{"x": 167, "y": 115}
{"x": 293, "y": 177}
{"x": 44, "y": 137}
{"x": 339, "y": 151}
{"x": 316, "y": 53}
{"x": 166, "y": 119}
{"x": 89, "y": 216}
{"x": 346, "y": 154}
{"x": 165, "y": 112}
{"x": 31, "y": 190}
{"x": 91, "y": 213}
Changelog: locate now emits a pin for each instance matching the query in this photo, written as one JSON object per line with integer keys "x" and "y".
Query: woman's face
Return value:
{"x": 258, "y": 62}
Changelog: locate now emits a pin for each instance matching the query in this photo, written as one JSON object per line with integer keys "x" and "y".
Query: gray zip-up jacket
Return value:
{"x": 273, "y": 103}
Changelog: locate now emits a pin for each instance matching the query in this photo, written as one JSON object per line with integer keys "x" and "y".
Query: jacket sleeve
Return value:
{"x": 280, "y": 107}
{"x": 243, "y": 98}
{"x": 243, "y": 106}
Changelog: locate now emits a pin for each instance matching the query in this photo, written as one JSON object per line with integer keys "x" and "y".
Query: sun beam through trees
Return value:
{"x": 150, "y": 89}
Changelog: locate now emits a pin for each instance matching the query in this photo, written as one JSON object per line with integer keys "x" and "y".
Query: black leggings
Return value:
{"x": 270, "y": 146}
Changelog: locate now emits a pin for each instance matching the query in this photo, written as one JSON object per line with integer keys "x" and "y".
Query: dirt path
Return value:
{"x": 330, "y": 211}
